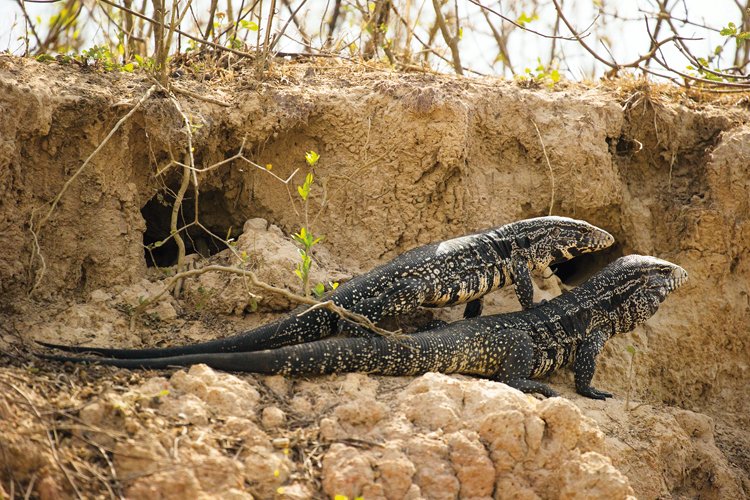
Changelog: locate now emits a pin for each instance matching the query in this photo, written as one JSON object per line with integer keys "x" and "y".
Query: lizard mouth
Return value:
{"x": 666, "y": 284}
{"x": 602, "y": 239}
{"x": 678, "y": 278}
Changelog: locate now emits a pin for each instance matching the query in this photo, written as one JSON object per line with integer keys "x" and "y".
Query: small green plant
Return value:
{"x": 716, "y": 74}
{"x": 541, "y": 74}
{"x": 308, "y": 241}
{"x": 99, "y": 56}
{"x": 704, "y": 67}
{"x": 146, "y": 63}
{"x": 305, "y": 237}
{"x": 731, "y": 30}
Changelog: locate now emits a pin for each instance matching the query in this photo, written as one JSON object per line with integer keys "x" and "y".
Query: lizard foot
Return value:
{"x": 529, "y": 386}
{"x": 592, "y": 393}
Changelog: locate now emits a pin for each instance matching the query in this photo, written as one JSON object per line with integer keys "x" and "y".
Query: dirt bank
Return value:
{"x": 405, "y": 159}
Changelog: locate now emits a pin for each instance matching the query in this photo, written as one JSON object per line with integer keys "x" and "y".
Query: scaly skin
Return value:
{"x": 456, "y": 271}
{"x": 512, "y": 348}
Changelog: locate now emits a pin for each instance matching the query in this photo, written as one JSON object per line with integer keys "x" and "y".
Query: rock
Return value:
{"x": 272, "y": 417}
{"x": 266, "y": 470}
{"x": 347, "y": 472}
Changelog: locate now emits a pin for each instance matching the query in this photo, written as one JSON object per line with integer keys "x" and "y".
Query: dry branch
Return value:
{"x": 328, "y": 304}
{"x": 450, "y": 40}
{"x": 549, "y": 165}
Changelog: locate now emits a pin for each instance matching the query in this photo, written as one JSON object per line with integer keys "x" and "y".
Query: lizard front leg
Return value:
{"x": 585, "y": 365}
{"x": 522, "y": 283}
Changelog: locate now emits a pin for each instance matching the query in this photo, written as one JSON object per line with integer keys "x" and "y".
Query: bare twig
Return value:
{"x": 49, "y": 434}
{"x": 180, "y": 90}
{"x": 238, "y": 156}
{"x": 450, "y": 40}
{"x": 292, "y": 17}
{"x": 334, "y": 20}
{"x": 30, "y": 24}
{"x": 549, "y": 165}
{"x": 501, "y": 40}
{"x": 328, "y": 304}
{"x": 176, "y": 30}
{"x": 517, "y": 25}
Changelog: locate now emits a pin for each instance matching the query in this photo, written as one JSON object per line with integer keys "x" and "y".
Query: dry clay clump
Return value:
{"x": 203, "y": 433}
{"x": 450, "y": 437}
{"x": 193, "y": 436}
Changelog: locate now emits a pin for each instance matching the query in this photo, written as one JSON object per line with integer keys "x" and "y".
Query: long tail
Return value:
{"x": 293, "y": 329}
{"x": 444, "y": 352}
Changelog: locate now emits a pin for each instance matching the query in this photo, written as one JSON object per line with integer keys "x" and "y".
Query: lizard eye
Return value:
{"x": 555, "y": 232}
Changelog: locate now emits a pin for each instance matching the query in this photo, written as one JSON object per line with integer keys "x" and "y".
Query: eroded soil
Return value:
{"x": 405, "y": 159}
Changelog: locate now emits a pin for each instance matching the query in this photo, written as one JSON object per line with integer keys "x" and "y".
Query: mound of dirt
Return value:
{"x": 405, "y": 159}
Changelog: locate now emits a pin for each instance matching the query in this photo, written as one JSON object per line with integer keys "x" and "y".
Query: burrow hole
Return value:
{"x": 575, "y": 271}
{"x": 212, "y": 213}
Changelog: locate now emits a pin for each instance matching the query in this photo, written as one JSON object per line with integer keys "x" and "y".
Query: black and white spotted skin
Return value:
{"x": 455, "y": 271}
{"x": 514, "y": 348}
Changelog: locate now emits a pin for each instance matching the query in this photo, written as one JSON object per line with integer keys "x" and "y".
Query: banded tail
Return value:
{"x": 444, "y": 350}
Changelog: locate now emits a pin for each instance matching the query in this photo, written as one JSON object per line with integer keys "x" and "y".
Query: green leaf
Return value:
{"x": 554, "y": 75}
{"x": 311, "y": 157}
{"x": 730, "y": 30}
{"x": 127, "y": 68}
{"x": 303, "y": 192}
{"x": 525, "y": 18}
{"x": 631, "y": 350}
{"x": 334, "y": 285}
{"x": 298, "y": 273}
{"x": 319, "y": 290}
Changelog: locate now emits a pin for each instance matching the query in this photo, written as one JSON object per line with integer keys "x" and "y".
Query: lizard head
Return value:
{"x": 631, "y": 288}
{"x": 556, "y": 239}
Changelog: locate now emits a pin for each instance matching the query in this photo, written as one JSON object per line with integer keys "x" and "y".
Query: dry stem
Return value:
{"x": 452, "y": 41}
{"x": 549, "y": 165}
